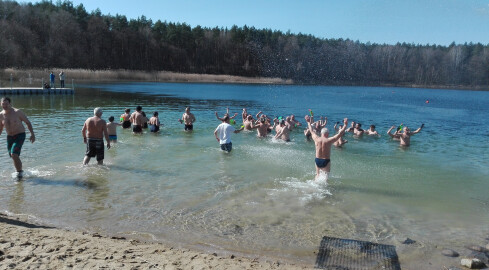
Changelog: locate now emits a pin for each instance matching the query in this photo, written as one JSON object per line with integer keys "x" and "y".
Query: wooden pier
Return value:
{"x": 35, "y": 91}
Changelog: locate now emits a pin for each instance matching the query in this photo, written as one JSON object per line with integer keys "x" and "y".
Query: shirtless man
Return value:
{"x": 12, "y": 119}
{"x": 341, "y": 141}
{"x": 262, "y": 127}
{"x": 323, "y": 146}
{"x": 317, "y": 126}
{"x": 371, "y": 131}
{"x": 248, "y": 123}
{"x": 351, "y": 128}
{"x": 137, "y": 120}
{"x": 188, "y": 119}
{"x": 112, "y": 129}
{"x": 358, "y": 131}
{"x": 94, "y": 130}
{"x": 406, "y": 135}
{"x": 294, "y": 122}
{"x": 154, "y": 123}
{"x": 396, "y": 136}
{"x": 284, "y": 132}
{"x": 126, "y": 123}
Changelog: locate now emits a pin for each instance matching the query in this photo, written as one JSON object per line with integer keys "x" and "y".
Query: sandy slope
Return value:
{"x": 29, "y": 246}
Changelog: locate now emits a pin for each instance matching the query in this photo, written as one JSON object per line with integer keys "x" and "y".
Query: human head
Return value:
{"x": 372, "y": 127}
{"x": 292, "y": 117}
{"x": 287, "y": 118}
{"x": 6, "y": 103}
{"x": 155, "y": 114}
{"x": 226, "y": 119}
{"x": 111, "y": 119}
{"x": 282, "y": 123}
{"x": 139, "y": 108}
{"x": 324, "y": 132}
{"x": 187, "y": 110}
{"x": 406, "y": 129}
{"x": 358, "y": 125}
{"x": 262, "y": 120}
{"x": 249, "y": 117}
{"x": 127, "y": 110}
{"x": 97, "y": 111}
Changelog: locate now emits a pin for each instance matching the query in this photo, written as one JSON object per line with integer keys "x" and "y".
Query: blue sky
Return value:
{"x": 378, "y": 21}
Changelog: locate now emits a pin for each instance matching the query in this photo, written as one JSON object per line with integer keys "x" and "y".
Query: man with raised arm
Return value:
{"x": 323, "y": 146}
{"x": 12, "y": 119}
{"x": 406, "y": 135}
{"x": 94, "y": 131}
{"x": 223, "y": 134}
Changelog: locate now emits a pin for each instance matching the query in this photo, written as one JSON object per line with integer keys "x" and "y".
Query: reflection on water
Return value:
{"x": 261, "y": 198}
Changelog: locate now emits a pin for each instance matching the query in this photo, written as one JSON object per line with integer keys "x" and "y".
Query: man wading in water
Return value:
{"x": 12, "y": 119}
{"x": 323, "y": 146}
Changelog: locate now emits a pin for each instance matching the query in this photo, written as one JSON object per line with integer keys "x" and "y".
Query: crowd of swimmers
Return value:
{"x": 95, "y": 129}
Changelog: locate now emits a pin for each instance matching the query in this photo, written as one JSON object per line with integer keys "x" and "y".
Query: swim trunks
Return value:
{"x": 137, "y": 129}
{"x": 14, "y": 143}
{"x": 113, "y": 137}
{"x": 227, "y": 147}
{"x": 154, "y": 128}
{"x": 189, "y": 127}
{"x": 321, "y": 163}
{"x": 95, "y": 147}
{"x": 126, "y": 124}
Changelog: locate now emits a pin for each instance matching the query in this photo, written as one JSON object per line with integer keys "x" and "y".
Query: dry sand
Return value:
{"x": 25, "y": 245}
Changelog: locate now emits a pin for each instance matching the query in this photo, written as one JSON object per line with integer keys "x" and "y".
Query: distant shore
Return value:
{"x": 33, "y": 77}
{"x": 25, "y": 245}
{"x": 36, "y": 77}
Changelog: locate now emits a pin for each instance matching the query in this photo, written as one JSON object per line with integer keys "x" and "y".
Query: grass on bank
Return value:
{"x": 35, "y": 77}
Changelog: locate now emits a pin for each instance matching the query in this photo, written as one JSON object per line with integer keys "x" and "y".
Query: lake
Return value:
{"x": 261, "y": 199}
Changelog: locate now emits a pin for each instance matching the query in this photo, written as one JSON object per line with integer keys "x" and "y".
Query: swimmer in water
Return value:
{"x": 358, "y": 131}
{"x": 372, "y": 132}
{"x": 396, "y": 135}
{"x": 188, "y": 119}
{"x": 262, "y": 127}
{"x": 226, "y": 114}
{"x": 284, "y": 132}
{"x": 154, "y": 123}
{"x": 94, "y": 130}
{"x": 137, "y": 120}
{"x": 126, "y": 123}
{"x": 223, "y": 134}
{"x": 323, "y": 146}
{"x": 405, "y": 136}
{"x": 112, "y": 129}
{"x": 317, "y": 126}
{"x": 341, "y": 141}
{"x": 12, "y": 118}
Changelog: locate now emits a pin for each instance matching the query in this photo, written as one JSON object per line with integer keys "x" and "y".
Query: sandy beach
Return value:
{"x": 24, "y": 245}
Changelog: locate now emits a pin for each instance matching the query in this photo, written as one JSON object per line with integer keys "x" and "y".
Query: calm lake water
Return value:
{"x": 261, "y": 199}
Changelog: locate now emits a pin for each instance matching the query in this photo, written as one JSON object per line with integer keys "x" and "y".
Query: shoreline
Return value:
{"x": 24, "y": 244}
{"x": 33, "y": 77}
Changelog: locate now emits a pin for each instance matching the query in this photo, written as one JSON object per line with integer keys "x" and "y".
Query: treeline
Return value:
{"x": 44, "y": 35}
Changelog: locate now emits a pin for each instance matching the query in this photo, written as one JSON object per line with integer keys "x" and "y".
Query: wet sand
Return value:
{"x": 24, "y": 245}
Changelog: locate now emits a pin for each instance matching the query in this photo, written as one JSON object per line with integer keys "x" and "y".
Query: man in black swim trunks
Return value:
{"x": 94, "y": 130}
{"x": 137, "y": 120}
{"x": 12, "y": 119}
{"x": 188, "y": 119}
{"x": 323, "y": 146}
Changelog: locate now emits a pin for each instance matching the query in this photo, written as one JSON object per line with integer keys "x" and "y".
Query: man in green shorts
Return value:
{"x": 12, "y": 118}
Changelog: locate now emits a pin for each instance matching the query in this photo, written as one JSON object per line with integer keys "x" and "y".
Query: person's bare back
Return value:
{"x": 95, "y": 127}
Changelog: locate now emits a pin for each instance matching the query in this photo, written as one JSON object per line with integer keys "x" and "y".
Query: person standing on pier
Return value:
{"x": 12, "y": 119}
{"x": 62, "y": 79}
{"x": 51, "y": 79}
